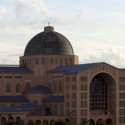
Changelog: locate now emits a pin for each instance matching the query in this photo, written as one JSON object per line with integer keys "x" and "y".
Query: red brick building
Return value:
{"x": 49, "y": 84}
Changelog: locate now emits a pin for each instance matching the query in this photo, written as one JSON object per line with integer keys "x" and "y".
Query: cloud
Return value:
{"x": 23, "y": 7}
{"x": 82, "y": 12}
{"x": 3, "y": 12}
{"x": 112, "y": 56}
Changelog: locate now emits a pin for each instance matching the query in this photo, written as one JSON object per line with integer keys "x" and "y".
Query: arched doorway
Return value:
{"x": 3, "y": 121}
{"x": 45, "y": 122}
{"x": 30, "y": 122}
{"x": 52, "y": 122}
{"x": 38, "y": 122}
{"x": 92, "y": 122}
{"x": 103, "y": 95}
{"x": 18, "y": 119}
{"x": 109, "y": 122}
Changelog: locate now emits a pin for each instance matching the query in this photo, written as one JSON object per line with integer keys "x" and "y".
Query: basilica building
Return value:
{"x": 49, "y": 84}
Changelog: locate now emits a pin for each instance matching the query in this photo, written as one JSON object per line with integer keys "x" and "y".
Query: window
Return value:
{"x": 81, "y": 104}
{"x": 98, "y": 93}
{"x": 37, "y": 61}
{"x": 8, "y": 88}
{"x": 74, "y": 104}
{"x": 85, "y": 87}
{"x": 81, "y": 112}
{"x": 67, "y": 104}
{"x": 67, "y": 79}
{"x": 12, "y": 105}
{"x": 18, "y": 77}
{"x": 73, "y": 78}
{"x": 67, "y": 96}
{"x": 61, "y": 61}
{"x": 81, "y": 87}
{"x": 71, "y": 61}
{"x": 27, "y": 86}
{"x": 55, "y": 87}
{"x": 73, "y": 95}
{"x": 61, "y": 109}
{"x": 66, "y": 62}
{"x": 7, "y": 77}
{"x": 60, "y": 87}
{"x": 81, "y": 95}
{"x": 85, "y": 95}
{"x": 17, "y": 87}
{"x": 56, "y": 60}
{"x": 67, "y": 87}
{"x": 56, "y": 109}
{"x": 121, "y": 79}
{"x": 84, "y": 79}
{"x": 51, "y": 61}
{"x": 73, "y": 112}
{"x": 35, "y": 101}
{"x": 74, "y": 87}
{"x": 42, "y": 60}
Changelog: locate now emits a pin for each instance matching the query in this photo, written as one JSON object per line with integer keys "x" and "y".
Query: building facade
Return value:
{"x": 49, "y": 84}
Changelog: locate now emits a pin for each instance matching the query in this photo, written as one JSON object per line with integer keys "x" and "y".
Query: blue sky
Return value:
{"x": 95, "y": 28}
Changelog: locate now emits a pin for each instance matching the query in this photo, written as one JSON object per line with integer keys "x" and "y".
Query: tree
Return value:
{"x": 52, "y": 122}
{"x": 20, "y": 122}
{"x": 30, "y": 122}
{"x": 101, "y": 122}
{"x": 60, "y": 122}
{"x": 84, "y": 122}
{"x": 10, "y": 122}
{"x": 67, "y": 121}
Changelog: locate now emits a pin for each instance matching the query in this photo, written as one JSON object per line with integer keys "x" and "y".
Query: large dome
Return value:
{"x": 49, "y": 42}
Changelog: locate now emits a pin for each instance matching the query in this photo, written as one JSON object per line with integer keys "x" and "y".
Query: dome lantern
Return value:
{"x": 48, "y": 29}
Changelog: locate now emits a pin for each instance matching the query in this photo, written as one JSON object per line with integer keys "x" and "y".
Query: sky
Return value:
{"x": 95, "y": 28}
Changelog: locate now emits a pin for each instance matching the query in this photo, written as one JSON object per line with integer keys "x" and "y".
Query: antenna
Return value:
{"x": 48, "y": 23}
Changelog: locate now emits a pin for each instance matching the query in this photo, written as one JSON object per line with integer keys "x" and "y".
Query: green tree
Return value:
{"x": 20, "y": 122}
{"x": 9, "y": 122}
{"x": 60, "y": 122}
{"x": 84, "y": 122}
{"x": 52, "y": 122}
{"x": 101, "y": 122}
{"x": 67, "y": 121}
{"x": 30, "y": 122}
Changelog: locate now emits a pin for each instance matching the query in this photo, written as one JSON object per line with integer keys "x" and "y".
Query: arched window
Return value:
{"x": 3, "y": 121}
{"x": 27, "y": 86}
{"x": 8, "y": 88}
{"x": 17, "y": 87}
{"x": 35, "y": 101}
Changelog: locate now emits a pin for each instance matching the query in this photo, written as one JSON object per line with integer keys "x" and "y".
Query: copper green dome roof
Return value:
{"x": 49, "y": 42}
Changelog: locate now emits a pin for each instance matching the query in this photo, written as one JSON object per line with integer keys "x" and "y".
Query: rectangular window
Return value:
{"x": 51, "y": 61}
{"x": 81, "y": 87}
{"x": 74, "y": 87}
{"x": 81, "y": 112}
{"x": 84, "y": 78}
{"x": 73, "y": 95}
{"x": 67, "y": 96}
{"x": 67, "y": 79}
{"x": 85, "y": 95}
{"x": 18, "y": 77}
{"x": 81, "y": 95}
{"x": 74, "y": 104}
{"x": 7, "y": 77}
{"x": 42, "y": 60}
{"x": 81, "y": 104}
{"x": 74, "y": 79}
